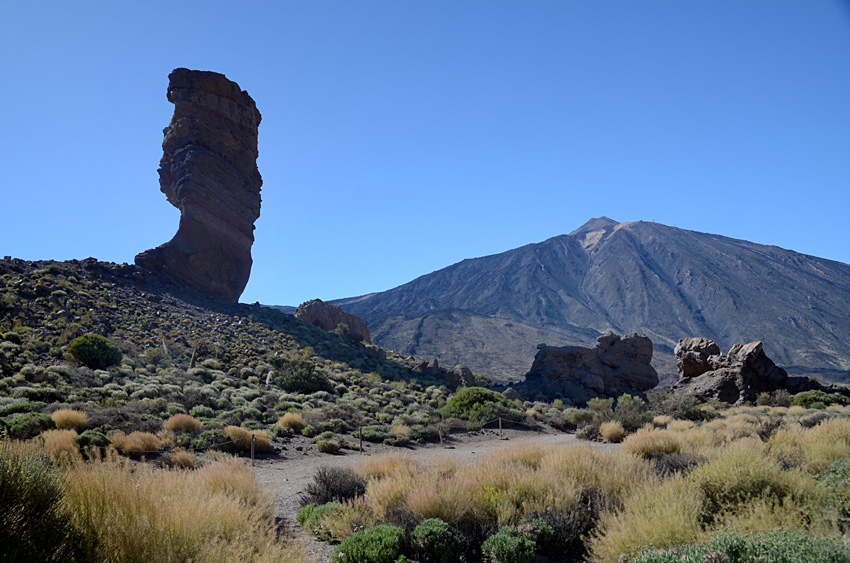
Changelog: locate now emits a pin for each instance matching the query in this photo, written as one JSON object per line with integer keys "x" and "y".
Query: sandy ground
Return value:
{"x": 288, "y": 473}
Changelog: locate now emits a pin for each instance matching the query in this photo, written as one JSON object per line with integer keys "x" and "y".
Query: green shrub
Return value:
{"x": 328, "y": 446}
{"x": 780, "y": 546}
{"x": 437, "y": 541}
{"x": 310, "y": 517}
{"x": 28, "y": 425}
{"x": 381, "y": 544}
{"x": 683, "y": 407}
{"x": 201, "y": 411}
{"x": 90, "y": 438}
{"x": 808, "y": 399}
{"x": 309, "y": 432}
{"x": 34, "y": 526}
{"x": 480, "y": 405}
{"x": 95, "y": 351}
{"x": 300, "y": 376}
{"x": 506, "y": 546}
{"x": 375, "y": 433}
{"x": 215, "y": 439}
{"x": 632, "y": 412}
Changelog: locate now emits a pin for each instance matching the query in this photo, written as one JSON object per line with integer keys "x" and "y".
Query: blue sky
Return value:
{"x": 399, "y": 137}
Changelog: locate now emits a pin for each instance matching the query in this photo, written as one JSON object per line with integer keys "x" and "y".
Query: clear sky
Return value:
{"x": 402, "y": 136}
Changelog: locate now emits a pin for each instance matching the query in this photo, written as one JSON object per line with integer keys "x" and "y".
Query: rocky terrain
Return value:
{"x": 614, "y": 366}
{"x": 209, "y": 171}
{"x": 737, "y": 377}
{"x": 490, "y": 313}
{"x": 330, "y": 317}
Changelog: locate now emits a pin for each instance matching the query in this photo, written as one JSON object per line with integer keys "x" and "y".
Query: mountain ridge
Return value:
{"x": 640, "y": 276}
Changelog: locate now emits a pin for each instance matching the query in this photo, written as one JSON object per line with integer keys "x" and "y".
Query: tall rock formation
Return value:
{"x": 209, "y": 171}
{"x": 613, "y": 367}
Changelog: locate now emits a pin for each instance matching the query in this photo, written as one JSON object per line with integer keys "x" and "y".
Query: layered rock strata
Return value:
{"x": 615, "y": 365}
{"x": 209, "y": 172}
{"x": 736, "y": 377}
{"x": 330, "y": 317}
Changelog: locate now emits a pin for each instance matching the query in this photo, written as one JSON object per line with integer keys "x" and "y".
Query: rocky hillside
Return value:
{"x": 491, "y": 312}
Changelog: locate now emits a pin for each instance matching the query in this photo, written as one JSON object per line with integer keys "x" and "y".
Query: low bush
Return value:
{"x": 781, "y": 546}
{"x": 135, "y": 443}
{"x": 676, "y": 405}
{"x": 300, "y": 376}
{"x": 92, "y": 439}
{"x": 480, "y": 405}
{"x": 632, "y": 412}
{"x": 807, "y": 399}
{"x": 311, "y": 517}
{"x": 333, "y": 484}
{"x": 328, "y": 446}
{"x": 95, "y": 351}
{"x": 213, "y": 439}
{"x": 381, "y": 544}
{"x": 70, "y": 419}
{"x": 507, "y": 546}
{"x": 612, "y": 431}
{"x": 34, "y": 524}
{"x": 28, "y": 425}
{"x": 58, "y": 442}
{"x": 437, "y": 541}
{"x": 242, "y": 439}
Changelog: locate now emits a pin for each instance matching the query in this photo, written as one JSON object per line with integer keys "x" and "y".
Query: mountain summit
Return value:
{"x": 491, "y": 312}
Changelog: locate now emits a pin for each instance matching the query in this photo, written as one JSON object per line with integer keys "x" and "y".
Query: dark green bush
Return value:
{"x": 90, "y": 438}
{"x": 374, "y": 433}
{"x": 28, "y": 425}
{"x": 507, "y": 546}
{"x": 95, "y": 351}
{"x": 215, "y": 439}
{"x": 34, "y": 526}
{"x": 437, "y": 541}
{"x": 328, "y": 446}
{"x": 300, "y": 376}
{"x": 480, "y": 405}
{"x": 781, "y": 546}
{"x": 333, "y": 484}
{"x": 632, "y": 412}
{"x": 310, "y": 518}
{"x": 807, "y": 399}
{"x": 679, "y": 406}
{"x": 381, "y": 544}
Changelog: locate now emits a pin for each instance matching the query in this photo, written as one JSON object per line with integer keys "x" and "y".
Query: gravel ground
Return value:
{"x": 289, "y": 473}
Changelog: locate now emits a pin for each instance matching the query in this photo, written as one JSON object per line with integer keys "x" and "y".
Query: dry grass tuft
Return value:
{"x": 183, "y": 423}
{"x": 135, "y": 443}
{"x": 241, "y": 438}
{"x": 181, "y": 459}
{"x": 58, "y": 442}
{"x": 662, "y": 420}
{"x": 70, "y": 419}
{"x": 679, "y": 425}
{"x": 135, "y": 513}
{"x": 292, "y": 420}
{"x": 402, "y": 430}
{"x": 383, "y": 465}
{"x": 646, "y": 443}
{"x": 612, "y": 431}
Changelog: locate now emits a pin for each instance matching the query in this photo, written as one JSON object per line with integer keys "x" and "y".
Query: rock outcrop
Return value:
{"x": 431, "y": 368}
{"x": 612, "y": 367}
{"x": 330, "y": 317}
{"x": 460, "y": 376}
{"x": 209, "y": 171}
{"x": 737, "y": 377}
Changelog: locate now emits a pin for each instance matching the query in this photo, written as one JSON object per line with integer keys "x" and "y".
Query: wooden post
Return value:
{"x": 500, "y": 427}
{"x": 361, "y": 439}
{"x": 440, "y": 431}
{"x": 253, "y": 440}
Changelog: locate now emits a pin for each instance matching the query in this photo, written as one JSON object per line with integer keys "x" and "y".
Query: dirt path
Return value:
{"x": 288, "y": 475}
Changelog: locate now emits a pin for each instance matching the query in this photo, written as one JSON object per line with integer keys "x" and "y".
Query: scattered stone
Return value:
{"x": 431, "y": 368}
{"x": 209, "y": 171}
{"x": 330, "y": 317}
{"x": 511, "y": 394}
{"x": 612, "y": 367}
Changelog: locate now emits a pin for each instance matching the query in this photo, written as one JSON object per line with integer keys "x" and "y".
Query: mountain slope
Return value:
{"x": 491, "y": 312}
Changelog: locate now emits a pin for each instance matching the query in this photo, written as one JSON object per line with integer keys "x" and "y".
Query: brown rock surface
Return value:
{"x": 209, "y": 171}
{"x": 612, "y": 367}
{"x": 460, "y": 376}
{"x": 736, "y": 377}
{"x": 329, "y": 317}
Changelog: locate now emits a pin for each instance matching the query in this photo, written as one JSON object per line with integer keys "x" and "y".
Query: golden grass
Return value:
{"x": 401, "y": 430}
{"x": 662, "y": 420}
{"x": 352, "y": 516}
{"x": 241, "y": 438}
{"x": 138, "y": 514}
{"x": 183, "y": 423}
{"x": 796, "y": 410}
{"x": 521, "y": 454}
{"x": 292, "y": 420}
{"x": 612, "y": 431}
{"x": 381, "y": 466}
{"x": 58, "y": 442}
{"x": 181, "y": 459}
{"x": 646, "y": 443}
{"x": 72, "y": 419}
{"x": 680, "y": 425}
{"x": 656, "y": 515}
{"x": 135, "y": 443}
{"x": 813, "y": 448}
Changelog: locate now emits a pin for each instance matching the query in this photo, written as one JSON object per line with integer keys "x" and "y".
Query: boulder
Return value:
{"x": 511, "y": 394}
{"x": 209, "y": 172}
{"x": 431, "y": 368}
{"x": 615, "y": 365}
{"x": 460, "y": 376}
{"x": 330, "y": 317}
{"x": 736, "y": 377}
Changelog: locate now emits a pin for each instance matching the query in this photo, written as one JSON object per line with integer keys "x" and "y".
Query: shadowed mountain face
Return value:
{"x": 491, "y": 312}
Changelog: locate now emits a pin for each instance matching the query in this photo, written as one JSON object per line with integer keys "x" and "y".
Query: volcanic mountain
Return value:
{"x": 667, "y": 283}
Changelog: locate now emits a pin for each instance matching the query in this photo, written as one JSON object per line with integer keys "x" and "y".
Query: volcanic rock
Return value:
{"x": 209, "y": 171}
{"x": 612, "y": 367}
{"x": 330, "y": 317}
{"x": 460, "y": 376}
{"x": 736, "y": 377}
{"x": 431, "y": 368}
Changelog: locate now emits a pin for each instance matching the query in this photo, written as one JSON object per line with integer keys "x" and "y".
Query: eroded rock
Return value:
{"x": 612, "y": 367}
{"x": 460, "y": 376}
{"x": 330, "y": 317}
{"x": 209, "y": 171}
